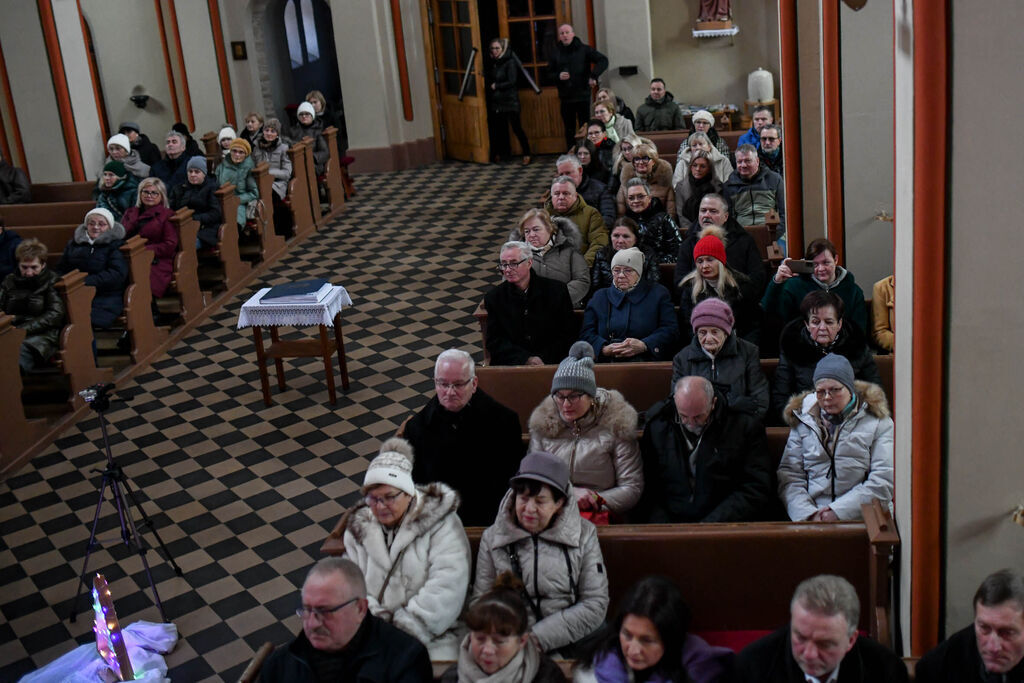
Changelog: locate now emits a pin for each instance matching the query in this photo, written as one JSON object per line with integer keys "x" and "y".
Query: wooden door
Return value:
{"x": 532, "y": 27}
{"x": 455, "y": 29}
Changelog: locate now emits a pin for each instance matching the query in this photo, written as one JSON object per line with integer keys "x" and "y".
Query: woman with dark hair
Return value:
{"x": 116, "y": 189}
{"x": 700, "y": 142}
{"x": 625, "y": 234}
{"x": 658, "y": 229}
{"x": 199, "y": 193}
{"x": 498, "y": 648}
{"x": 540, "y": 537}
{"x": 648, "y": 641}
{"x": 586, "y": 152}
{"x": 38, "y": 309}
{"x": 504, "y": 102}
{"x": 699, "y": 181}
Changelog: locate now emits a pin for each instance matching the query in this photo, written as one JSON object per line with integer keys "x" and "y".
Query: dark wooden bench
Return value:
{"x": 184, "y": 296}
{"x": 221, "y": 266}
{"x": 17, "y": 432}
{"x": 312, "y": 185}
{"x": 270, "y": 245}
{"x": 298, "y": 191}
{"x": 62, "y": 192}
{"x": 17, "y": 216}
{"x": 333, "y": 181}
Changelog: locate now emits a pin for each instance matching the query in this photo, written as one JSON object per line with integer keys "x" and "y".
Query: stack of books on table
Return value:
{"x": 291, "y": 293}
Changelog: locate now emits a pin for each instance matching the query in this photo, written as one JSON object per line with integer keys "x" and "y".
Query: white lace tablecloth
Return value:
{"x": 254, "y": 313}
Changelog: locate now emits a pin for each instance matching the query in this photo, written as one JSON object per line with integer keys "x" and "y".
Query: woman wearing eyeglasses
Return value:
{"x": 150, "y": 219}
{"x": 411, "y": 546}
{"x": 658, "y": 230}
{"x": 658, "y": 174}
{"x": 594, "y": 432}
{"x": 555, "y": 244}
{"x": 840, "y": 449}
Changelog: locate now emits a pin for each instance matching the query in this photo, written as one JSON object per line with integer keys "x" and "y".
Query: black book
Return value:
{"x": 306, "y": 291}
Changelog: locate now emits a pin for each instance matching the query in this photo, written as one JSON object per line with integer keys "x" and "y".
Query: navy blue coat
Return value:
{"x": 644, "y": 313}
{"x": 105, "y": 267}
{"x": 171, "y": 171}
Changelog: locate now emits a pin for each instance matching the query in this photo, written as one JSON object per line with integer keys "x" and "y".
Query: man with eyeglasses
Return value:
{"x": 529, "y": 317}
{"x": 565, "y": 202}
{"x": 593, "y": 191}
{"x": 770, "y": 151}
{"x": 703, "y": 460}
{"x": 761, "y": 117}
{"x": 341, "y": 640}
{"x": 466, "y": 439}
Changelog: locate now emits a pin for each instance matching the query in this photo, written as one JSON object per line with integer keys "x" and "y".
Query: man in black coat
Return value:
{"x": 529, "y": 318}
{"x": 991, "y": 650}
{"x": 703, "y": 461}
{"x": 740, "y": 248}
{"x": 172, "y": 169}
{"x": 149, "y": 153}
{"x": 820, "y": 638}
{"x": 14, "y": 185}
{"x": 575, "y": 66}
{"x": 341, "y": 640}
{"x": 466, "y": 439}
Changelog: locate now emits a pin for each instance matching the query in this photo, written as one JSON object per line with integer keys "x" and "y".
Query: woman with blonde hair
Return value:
{"x": 712, "y": 277}
{"x": 700, "y": 141}
{"x": 658, "y": 174}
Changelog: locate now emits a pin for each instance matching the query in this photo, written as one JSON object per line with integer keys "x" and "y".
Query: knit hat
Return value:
{"x": 709, "y": 245}
{"x": 198, "y": 163}
{"x": 834, "y": 366}
{"x": 630, "y": 258}
{"x": 713, "y": 312}
{"x": 576, "y": 372}
{"x": 115, "y": 167}
{"x": 129, "y": 125}
{"x": 121, "y": 140}
{"x": 306, "y": 108}
{"x": 546, "y": 468}
{"x": 109, "y": 217}
{"x": 704, "y": 115}
{"x": 239, "y": 143}
{"x": 226, "y": 133}
{"x": 392, "y": 467}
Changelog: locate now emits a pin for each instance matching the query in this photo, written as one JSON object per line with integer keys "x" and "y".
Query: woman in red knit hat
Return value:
{"x": 714, "y": 278}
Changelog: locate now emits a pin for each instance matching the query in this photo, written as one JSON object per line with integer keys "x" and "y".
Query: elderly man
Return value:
{"x": 341, "y": 640}
{"x": 149, "y": 153}
{"x": 753, "y": 190}
{"x": 529, "y": 317}
{"x": 770, "y": 151}
{"x": 593, "y": 191}
{"x": 820, "y": 644}
{"x": 761, "y": 117}
{"x": 740, "y": 247}
{"x": 173, "y": 169}
{"x": 574, "y": 66}
{"x": 466, "y": 439}
{"x": 703, "y": 460}
{"x": 992, "y": 648}
{"x": 659, "y": 111}
{"x": 565, "y": 202}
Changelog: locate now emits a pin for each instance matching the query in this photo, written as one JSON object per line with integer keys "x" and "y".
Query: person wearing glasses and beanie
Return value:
{"x": 593, "y": 431}
{"x": 412, "y": 548}
{"x": 840, "y": 449}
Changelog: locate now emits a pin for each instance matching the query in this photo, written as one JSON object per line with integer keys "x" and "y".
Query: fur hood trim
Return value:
{"x": 115, "y": 233}
{"x": 870, "y": 397}
{"x": 432, "y": 504}
{"x": 611, "y": 411}
{"x": 566, "y": 232}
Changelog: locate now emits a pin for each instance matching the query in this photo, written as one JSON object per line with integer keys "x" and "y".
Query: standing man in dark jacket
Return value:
{"x": 14, "y": 185}
{"x": 703, "y": 461}
{"x": 820, "y": 639}
{"x": 341, "y": 640}
{"x": 149, "y": 153}
{"x": 659, "y": 111}
{"x": 447, "y": 434}
{"x": 575, "y": 66}
{"x": 529, "y": 317}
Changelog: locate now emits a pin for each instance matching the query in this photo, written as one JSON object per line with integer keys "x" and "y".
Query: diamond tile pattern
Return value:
{"x": 242, "y": 494}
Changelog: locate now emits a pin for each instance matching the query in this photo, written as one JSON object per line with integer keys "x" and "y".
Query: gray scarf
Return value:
{"x": 522, "y": 668}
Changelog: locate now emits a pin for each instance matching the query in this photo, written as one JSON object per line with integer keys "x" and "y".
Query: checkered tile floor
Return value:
{"x": 243, "y": 495}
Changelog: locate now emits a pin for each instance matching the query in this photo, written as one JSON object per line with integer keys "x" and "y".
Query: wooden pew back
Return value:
{"x": 54, "y": 213}
{"x": 298, "y": 190}
{"x": 271, "y": 245}
{"x": 43, "y": 193}
{"x": 16, "y": 431}
{"x": 332, "y": 182}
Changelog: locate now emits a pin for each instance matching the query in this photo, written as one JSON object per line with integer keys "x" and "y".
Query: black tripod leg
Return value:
{"x": 72, "y": 615}
{"x": 147, "y": 522}
{"x": 130, "y": 531}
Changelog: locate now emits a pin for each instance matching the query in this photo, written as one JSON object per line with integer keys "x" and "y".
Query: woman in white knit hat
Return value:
{"x": 412, "y": 548}
{"x": 119, "y": 148}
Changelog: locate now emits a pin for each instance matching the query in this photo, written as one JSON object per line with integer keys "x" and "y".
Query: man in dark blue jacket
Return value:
{"x": 575, "y": 66}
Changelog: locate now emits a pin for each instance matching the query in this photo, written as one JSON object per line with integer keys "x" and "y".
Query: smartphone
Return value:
{"x": 801, "y": 267}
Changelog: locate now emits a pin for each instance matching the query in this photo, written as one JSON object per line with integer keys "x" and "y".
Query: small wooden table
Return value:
{"x": 324, "y": 314}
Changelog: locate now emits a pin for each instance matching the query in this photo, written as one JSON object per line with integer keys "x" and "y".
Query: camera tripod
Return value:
{"x": 98, "y": 399}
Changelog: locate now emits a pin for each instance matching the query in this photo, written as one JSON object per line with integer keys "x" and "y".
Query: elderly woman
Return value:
{"x": 658, "y": 174}
{"x": 498, "y": 646}
{"x": 839, "y": 453}
{"x": 698, "y": 182}
{"x": 272, "y": 148}
{"x": 590, "y": 160}
{"x": 594, "y": 432}
{"x": 701, "y": 142}
{"x": 539, "y": 536}
{"x": 822, "y": 330}
{"x": 704, "y": 122}
{"x": 313, "y": 128}
{"x": 116, "y": 189}
{"x": 95, "y": 249}
{"x": 412, "y": 549}
{"x": 617, "y": 128}
{"x": 658, "y": 230}
{"x": 633, "y": 320}
{"x": 200, "y": 195}
{"x": 731, "y": 364}
{"x": 625, "y": 234}
{"x": 713, "y": 277}
{"x": 253, "y": 128}
{"x": 119, "y": 148}
{"x": 150, "y": 219}
{"x": 38, "y": 309}
{"x": 555, "y": 244}
{"x": 237, "y": 170}
{"x": 787, "y": 289}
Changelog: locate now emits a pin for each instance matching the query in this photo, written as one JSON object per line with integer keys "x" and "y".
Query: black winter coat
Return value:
{"x": 745, "y": 304}
{"x": 733, "y": 482}
{"x": 14, "y": 185}
{"x": 106, "y": 269}
{"x": 172, "y": 171}
{"x": 149, "y": 153}
{"x": 582, "y": 62}
{"x": 601, "y": 273}
{"x": 315, "y": 130}
{"x": 799, "y": 355}
{"x": 740, "y": 251}
{"x": 595, "y": 193}
{"x": 735, "y": 371}
{"x": 203, "y": 201}
{"x": 770, "y": 660}
{"x": 505, "y": 77}
{"x": 9, "y": 241}
{"x": 377, "y": 652}
{"x": 448, "y": 449}
{"x": 37, "y": 309}
{"x": 956, "y": 660}
{"x": 539, "y": 323}
{"x": 658, "y": 231}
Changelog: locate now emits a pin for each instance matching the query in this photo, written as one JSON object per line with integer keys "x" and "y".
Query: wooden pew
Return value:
{"x": 298, "y": 191}
{"x": 54, "y": 213}
{"x": 185, "y": 290}
{"x": 313, "y": 187}
{"x": 138, "y": 301}
{"x": 229, "y": 267}
{"x": 333, "y": 180}
{"x": 76, "y": 359}
{"x": 667, "y": 141}
{"x": 62, "y": 192}
{"x": 271, "y": 245}
{"x": 16, "y": 431}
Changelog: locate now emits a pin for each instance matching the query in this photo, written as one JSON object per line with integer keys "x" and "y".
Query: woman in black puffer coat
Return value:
{"x": 504, "y": 109}
{"x": 95, "y": 249}
{"x": 199, "y": 194}
{"x": 28, "y": 295}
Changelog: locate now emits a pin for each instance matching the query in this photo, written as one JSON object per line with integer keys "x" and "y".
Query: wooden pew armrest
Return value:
{"x": 252, "y": 671}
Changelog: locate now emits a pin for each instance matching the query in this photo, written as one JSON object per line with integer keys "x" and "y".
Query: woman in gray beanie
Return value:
{"x": 840, "y": 453}
{"x": 594, "y": 431}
